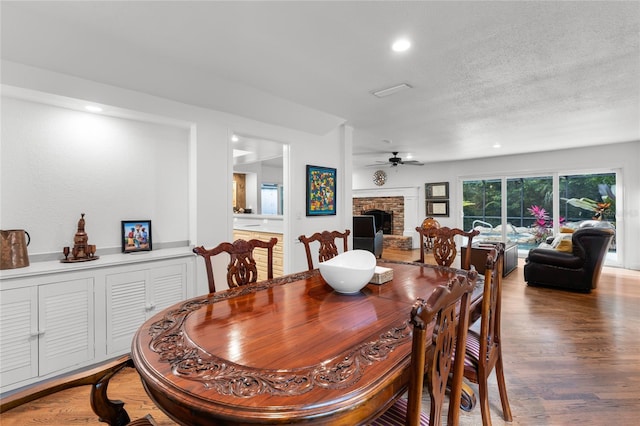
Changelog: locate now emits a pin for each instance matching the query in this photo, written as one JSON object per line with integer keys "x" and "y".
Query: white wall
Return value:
{"x": 271, "y": 174}
{"x": 210, "y": 215}
{"x": 622, "y": 157}
{"x": 58, "y": 163}
{"x": 338, "y": 158}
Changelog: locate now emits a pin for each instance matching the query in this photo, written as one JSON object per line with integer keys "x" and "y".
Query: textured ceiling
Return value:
{"x": 531, "y": 76}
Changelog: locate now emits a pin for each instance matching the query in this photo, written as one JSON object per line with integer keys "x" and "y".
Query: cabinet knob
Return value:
{"x": 151, "y": 306}
{"x": 37, "y": 333}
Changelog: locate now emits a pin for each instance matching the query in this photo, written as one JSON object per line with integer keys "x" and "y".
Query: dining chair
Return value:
{"x": 98, "y": 377}
{"x": 484, "y": 349}
{"x": 242, "y": 267}
{"x": 433, "y": 359}
{"x": 328, "y": 247}
{"x": 444, "y": 244}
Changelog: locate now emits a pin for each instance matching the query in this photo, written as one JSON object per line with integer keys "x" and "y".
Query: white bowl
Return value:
{"x": 349, "y": 272}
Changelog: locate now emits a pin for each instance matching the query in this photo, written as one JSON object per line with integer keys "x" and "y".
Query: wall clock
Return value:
{"x": 379, "y": 177}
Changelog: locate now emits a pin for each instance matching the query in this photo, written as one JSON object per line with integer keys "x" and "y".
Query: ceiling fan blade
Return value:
{"x": 395, "y": 161}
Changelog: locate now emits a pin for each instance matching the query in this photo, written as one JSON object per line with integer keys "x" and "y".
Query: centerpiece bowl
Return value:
{"x": 349, "y": 272}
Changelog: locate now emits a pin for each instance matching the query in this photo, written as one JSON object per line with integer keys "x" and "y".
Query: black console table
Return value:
{"x": 479, "y": 256}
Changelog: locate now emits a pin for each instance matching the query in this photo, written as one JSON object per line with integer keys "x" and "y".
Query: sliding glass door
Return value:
{"x": 529, "y": 209}
{"x": 482, "y": 203}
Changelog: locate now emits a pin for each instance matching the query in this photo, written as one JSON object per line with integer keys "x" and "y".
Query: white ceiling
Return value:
{"x": 530, "y": 76}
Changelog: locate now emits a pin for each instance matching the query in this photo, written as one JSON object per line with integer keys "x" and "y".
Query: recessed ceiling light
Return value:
{"x": 401, "y": 45}
{"x": 93, "y": 108}
{"x": 497, "y": 145}
{"x": 234, "y": 138}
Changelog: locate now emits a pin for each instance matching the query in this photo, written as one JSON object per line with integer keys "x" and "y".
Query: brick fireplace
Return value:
{"x": 390, "y": 208}
{"x": 400, "y": 204}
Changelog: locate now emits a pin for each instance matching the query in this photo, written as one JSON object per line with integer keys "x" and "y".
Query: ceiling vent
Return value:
{"x": 391, "y": 90}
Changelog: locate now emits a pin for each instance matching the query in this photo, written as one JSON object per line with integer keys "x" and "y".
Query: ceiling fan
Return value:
{"x": 395, "y": 160}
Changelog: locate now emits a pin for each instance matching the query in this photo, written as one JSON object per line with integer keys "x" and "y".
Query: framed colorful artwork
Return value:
{"x": 321, "y": 191}
{"x": 135, "y": 235}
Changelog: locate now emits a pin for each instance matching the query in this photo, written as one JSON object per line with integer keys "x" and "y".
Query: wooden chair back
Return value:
{"x": 328, "y": 248}
{"x": 434, "y": 360}
{"x": 444, "y": 245}
{"x": 242, "y": 268}
{"x": 484, "y": 349}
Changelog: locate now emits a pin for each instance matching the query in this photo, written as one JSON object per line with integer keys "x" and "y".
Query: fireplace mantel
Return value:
{"x": 406, "y": 192}
{"x": 411, "y": 214}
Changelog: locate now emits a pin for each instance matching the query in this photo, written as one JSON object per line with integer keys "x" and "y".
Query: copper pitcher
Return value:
{"x": 13, "y": 253}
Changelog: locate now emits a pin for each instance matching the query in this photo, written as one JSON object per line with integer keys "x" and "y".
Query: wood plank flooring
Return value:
{"x": 569, "y": 359}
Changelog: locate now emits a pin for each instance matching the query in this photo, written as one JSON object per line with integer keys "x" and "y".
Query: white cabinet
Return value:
{"x": 18, "y": 334}
{"x": 133, "y": 296}
{"x": 46, "y": 328}
{"x": 56, "y": 318}
{"x": 65, "y": 324}
{"x": 126, "y": 300}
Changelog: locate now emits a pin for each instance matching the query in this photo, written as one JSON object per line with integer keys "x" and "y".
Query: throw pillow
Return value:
{"x": 562, "y": 242}
{"x": 565, "y": 245}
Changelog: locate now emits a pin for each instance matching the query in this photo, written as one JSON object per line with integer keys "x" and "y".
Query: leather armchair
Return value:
{"x": 578, "y": 270}
{"x": 365, "y": 235}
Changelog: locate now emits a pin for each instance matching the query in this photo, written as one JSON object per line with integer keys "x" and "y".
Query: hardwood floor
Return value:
{"x": 570, "y": 359}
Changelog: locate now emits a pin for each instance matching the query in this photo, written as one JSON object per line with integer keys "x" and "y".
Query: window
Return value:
{"x": 482, "y": 203}
{"x": 581, "y": 194}
{"x": 270, "y": 198}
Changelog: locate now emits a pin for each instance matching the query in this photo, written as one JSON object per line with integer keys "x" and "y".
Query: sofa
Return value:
{"x": 365, "y": 236}
{"x": 575, "y": 267}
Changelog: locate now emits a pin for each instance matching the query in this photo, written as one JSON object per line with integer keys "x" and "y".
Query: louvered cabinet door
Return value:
{"x": 167, "y": 286}
{"x": 126, "y": 304}
{"x": 133, "y": 296}
{"x": 18, "y": 335}
{"x": 65, "y": 324}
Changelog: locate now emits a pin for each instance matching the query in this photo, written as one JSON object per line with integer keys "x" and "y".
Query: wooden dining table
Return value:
{"x": 288, "y": 350}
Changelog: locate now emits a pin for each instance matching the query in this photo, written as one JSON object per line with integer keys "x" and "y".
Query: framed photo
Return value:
{"x": 321, "y": 191}
{"x": 135, "y": 235}
{"x": 434, "y": 191}
{"x": 437, "y": 208}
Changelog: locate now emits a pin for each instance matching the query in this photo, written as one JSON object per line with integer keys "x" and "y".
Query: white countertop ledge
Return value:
{"x": 55, "y": 266}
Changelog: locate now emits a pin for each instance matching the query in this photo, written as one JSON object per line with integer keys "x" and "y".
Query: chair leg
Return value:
{"x": 107, "y": 410}
{"x": 502, "y": 387}
{"x": 483, "y": 390}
